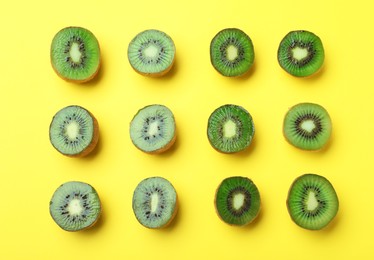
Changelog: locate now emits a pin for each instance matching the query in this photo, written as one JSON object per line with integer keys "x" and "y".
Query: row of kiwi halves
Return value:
{"x": 75, "y": 53}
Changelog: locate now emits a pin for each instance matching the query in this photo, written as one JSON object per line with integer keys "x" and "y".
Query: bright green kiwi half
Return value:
{"x": 307, "y": 126}
{"x": 237, "y": 201}
{"x": 301, "y": 53}
{"x": 152, "y": 129}
{"x": 75, "y": 54}
{"x": 230, "y": 129}
{"x": 155, "y": 202}
{"x": 312, "y": 201}
{"x": 151, "y": 53}
{"x": 74, "y": 131}
{"x": 231, "y": 52}
{"x": 75, "y": 206}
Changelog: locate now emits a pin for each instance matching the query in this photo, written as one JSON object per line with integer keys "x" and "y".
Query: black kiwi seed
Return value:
{"x": 301, "y": 53}
{"x": 75, "y": 206}
{"x": 75, "y": 54}
{"x": 312, "y": 201}
{"x": 74, "y": 131}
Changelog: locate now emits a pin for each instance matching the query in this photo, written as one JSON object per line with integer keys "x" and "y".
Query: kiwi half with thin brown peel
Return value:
{"x": 312, "y": 201}
{"x": 74, "y": 131}
{"x": 75, "y": 54}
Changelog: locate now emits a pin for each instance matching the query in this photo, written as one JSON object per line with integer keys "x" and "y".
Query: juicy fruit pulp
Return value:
{"x": 75, "y": 54}
{"x": 73, "y": 131}
{"x": 231, "y": 52}
{"x": 154, "y": 202}
{"x": 75, "y": 206}
{"x": 312, "y": 202}
{"x": 301, "y": 53}
{"x": 237, "y": 201}
{"x": 307, "y": 126}
{"x": 230, "y": 129}
{"x": 152, "y": 129}
{"x": 151, "y": 52}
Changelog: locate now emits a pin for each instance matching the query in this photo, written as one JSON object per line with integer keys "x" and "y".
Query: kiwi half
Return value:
{"x": 151, "y": 53}
{"x": 312, "y": 201}
{"x": 230, "y": 129}
{"x": 301, "y": 53}
{"x": 75, "y": 206}
{"x": 74, "y": 131}
{"x": 75, "y": 54}
{"x": 152, "y": 129}
{"x": 307, "y": 126}
{"x": 155, "y": 202}
{"x": 237, "y": 201}
{"x": 231, "y": 52}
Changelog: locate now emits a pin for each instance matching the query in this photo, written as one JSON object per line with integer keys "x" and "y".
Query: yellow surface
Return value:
{"x": 31, "y": 93}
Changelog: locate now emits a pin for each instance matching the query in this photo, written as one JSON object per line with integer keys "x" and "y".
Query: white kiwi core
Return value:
{"x": 308, "y": 125}
{"x": 151, "y": 51}
{"x": 231, "y": 52}
{"x": 154, "y": 202}
{"x": 238, "y": 201}
{"x": 75, "y": 207}
{"x": 299, "y": 53}
{"x": 229, "y": 129}
{"x": 311, "y": 201}
{"x": 75, "y": 53}
{"x": 72, "y": 130}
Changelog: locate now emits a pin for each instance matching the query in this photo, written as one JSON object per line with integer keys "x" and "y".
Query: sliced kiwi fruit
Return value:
{"x": 155, "y": 202}
{"x": 230, "y": 129}
{"x": 231, "y": 52}
{"x": 151, "y": 53}
{"x": 307, "y": 126}
{"x": 237, "y": 201}
{"x": 312, "y": 201}
{"x": 152, "y": 129}
{"x": 75, "y": 206}
{"x": 75, "y": 54}
{"x": 301, "y": 53}
{"x": 74, "y": 131}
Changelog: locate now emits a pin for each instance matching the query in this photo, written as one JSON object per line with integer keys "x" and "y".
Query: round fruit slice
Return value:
{"x": 74, "y": 131}
{"x": 75, "y": 54}
{"x": 152, "y": 130}
{"x": 230, "y": 129}
{"x": 237, "y": 201}
{"x": 232, "y": 52}
{"x": 312, "y": 201}
{"x": 151, "y": 53}
{"x": 301, "y": 53}
{"x": 307, "y": 126}
{"x": 75, "y": 206}
{"x": 155, "y": 202}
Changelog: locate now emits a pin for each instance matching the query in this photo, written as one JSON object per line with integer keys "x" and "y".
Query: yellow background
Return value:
{"x": 31, "y": 93}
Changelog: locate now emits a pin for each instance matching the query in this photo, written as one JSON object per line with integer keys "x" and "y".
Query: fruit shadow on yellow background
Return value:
{"x": 31, "y": 93}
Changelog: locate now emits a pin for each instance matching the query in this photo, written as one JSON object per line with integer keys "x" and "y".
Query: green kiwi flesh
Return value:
{"x": 75, "y": 206}
{"x": 74, "y": 131}
{"x": 312, "y": 201}
{"x": 307, "y": 126}
{"x": 151, "y": 53}
{"x": 301, "y": 53}
{"x": 152, "y": 129}
{"x": 155, "y": 202}
{"x": 237, "y": 201}
{"x": 75, "y": 54}
{"x": 232, "y": 52}
{"x": 230, "y": 129}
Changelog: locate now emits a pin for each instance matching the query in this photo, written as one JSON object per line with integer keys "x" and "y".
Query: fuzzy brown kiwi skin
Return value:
{"x": 92, "y": 145}
{"x": 77, "y": 81}
{"x": 232, "y": 225}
